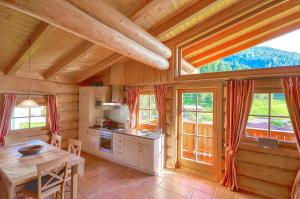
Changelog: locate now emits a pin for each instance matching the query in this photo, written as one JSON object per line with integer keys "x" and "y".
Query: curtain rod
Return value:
{"x": 258, "y": 78}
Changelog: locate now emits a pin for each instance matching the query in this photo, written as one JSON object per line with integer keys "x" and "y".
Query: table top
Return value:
{"x": 18, "y": 169}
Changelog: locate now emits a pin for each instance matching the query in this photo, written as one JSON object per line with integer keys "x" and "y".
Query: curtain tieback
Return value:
{"x": 229, "y": 151}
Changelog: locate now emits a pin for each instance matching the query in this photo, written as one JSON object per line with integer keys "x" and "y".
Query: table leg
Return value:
{"x": 74, "y": 181}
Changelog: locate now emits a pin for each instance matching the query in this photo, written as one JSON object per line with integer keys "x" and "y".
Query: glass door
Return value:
{"x": 196, "y": 122}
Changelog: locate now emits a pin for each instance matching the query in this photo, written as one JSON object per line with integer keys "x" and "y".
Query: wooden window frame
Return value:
{"x": 144, "y": 126}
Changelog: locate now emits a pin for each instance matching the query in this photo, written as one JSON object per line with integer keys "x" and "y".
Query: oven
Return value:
{"x": 106, "y": 141}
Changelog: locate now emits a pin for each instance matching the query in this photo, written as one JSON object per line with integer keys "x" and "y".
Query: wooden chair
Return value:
{"x": 51, "y": 180}
{"x": 56, "y": 141}
{"x": 74, "y": 147}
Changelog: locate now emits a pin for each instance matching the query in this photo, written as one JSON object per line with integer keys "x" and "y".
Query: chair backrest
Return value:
{"x": 74, "y": 147}
{"x": 56, "y": 141}
{"x": 52, "y": 177}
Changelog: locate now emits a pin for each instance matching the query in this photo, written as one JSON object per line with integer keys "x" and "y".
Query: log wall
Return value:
{"x": 67, "y": 102}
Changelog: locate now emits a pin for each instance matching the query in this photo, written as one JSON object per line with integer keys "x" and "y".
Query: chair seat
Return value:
{"x": 32, "y": 186}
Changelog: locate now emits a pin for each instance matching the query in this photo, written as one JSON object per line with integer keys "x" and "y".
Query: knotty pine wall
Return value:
{"x": 67, "y": 102}
{"x": 268, "y": 172}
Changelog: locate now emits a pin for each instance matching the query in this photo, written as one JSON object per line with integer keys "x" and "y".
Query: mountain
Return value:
{"x": 255, "y": 57}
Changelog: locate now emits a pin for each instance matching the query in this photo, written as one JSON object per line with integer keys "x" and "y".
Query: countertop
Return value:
{"x": 153, "y": 135}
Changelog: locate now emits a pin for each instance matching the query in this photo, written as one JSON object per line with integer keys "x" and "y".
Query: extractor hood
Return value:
{"x": 117, "y": 98}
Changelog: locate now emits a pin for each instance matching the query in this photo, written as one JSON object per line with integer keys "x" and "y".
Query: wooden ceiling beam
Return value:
{"x": 100, "y": 66}
{"x": 181, "y": 18}
{"x": 253, "y": 38}
{"x": 66, "y": 16}
{"x": 23, "y": 55}
{"x": 218, "y": 22}
{"x": 187, "y": 67}
{"x": 262, "y": 14}
{"x": 63, "y": 62}
{"x": 198, "y": 7}
{"x": 119, "y": 22}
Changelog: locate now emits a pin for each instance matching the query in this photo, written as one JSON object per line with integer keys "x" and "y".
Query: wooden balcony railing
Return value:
{"x": 203, "y": 149}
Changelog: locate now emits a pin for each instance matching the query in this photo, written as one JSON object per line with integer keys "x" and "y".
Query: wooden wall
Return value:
{"x": 67, "y": 100}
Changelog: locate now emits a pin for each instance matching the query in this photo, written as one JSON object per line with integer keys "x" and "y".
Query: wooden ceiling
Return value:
{"x": 58, "y": 55}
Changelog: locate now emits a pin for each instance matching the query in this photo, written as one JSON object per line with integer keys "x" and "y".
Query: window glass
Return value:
{"x": 147, "y": 110}
{"x": 197, "y": 127}
{"x": 269, "y": 118}
{"x": 24, "y": 118}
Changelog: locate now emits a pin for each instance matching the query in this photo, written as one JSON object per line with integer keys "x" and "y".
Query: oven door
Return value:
{"x": 105, "y": 144}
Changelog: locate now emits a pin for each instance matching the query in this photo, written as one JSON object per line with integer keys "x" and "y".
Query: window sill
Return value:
{"x": 147, "y": 127}
{"x": 31, "y": 130}
{"x": 284, "y": 148}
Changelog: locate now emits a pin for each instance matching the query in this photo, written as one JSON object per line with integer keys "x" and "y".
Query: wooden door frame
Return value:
{"x": 210, "y": 171}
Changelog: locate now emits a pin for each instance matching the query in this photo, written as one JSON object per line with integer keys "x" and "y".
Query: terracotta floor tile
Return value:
{"x": 224, "y": 193}
{"x": 108, "y": 180}
{"x": 199, "y": 194}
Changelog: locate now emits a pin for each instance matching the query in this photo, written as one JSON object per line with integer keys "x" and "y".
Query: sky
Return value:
{"x": 288, "y": 42}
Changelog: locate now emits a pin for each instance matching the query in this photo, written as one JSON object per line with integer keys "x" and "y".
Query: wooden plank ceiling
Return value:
{"x": 59, "y": 55}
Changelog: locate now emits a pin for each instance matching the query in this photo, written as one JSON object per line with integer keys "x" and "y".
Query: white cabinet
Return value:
{"x": 88, "y": 113}
{"x": 144, "y": 154}
{"x": 93, "y": 140}
{"x": 131, "y": 151}
{"x": 146, "y": 157}
{"x": 119, "y": 147}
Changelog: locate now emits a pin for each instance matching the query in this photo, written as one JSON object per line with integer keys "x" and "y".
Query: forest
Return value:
{"x": 253, "y": 58}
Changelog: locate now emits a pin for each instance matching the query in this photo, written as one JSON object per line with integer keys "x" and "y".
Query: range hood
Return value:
{"x": 117, "y": 98}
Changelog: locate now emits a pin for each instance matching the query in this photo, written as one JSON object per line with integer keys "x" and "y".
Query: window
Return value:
{"x": 147, "y": 114}
{"x": 25, "y": 118}
{"x": 278, "y": 52}
{"x": 197, "y": 127}
{"x": 269, "y": 118}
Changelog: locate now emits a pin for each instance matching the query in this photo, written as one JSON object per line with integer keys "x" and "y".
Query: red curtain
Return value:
{"x": 133, "y": 96}
{"x": 291, "y": 89}
{"x": 160, "y": 92}
{"x": 53, "y": 115}
{"x": 239, "y": 100}
{"x": 7, "y": 111}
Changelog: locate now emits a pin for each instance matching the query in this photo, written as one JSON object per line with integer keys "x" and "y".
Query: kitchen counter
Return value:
{"x": 153, "y": 135}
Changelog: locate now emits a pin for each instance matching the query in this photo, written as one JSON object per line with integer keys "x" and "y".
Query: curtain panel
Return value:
{"x": 133, "y": 96}
{"x": 160, "y": 92}
{"x": 7, "y": 111}
{"x": 53, "y": 115}
{"x": 291, "y": 89}
{"x": 239, "y": 100}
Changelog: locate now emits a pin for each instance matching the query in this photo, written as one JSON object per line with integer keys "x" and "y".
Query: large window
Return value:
{"x": 147, "y": 114}
{"x": 196, "y": 128}
{"x": 269, "y": 118}
{"x": 278, "y": 52}
{"x": 25, "y": 118}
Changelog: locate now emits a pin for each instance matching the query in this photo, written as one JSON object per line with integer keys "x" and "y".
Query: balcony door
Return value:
{"x": 197, "y": 130}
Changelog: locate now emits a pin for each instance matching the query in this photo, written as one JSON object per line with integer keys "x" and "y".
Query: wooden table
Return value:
{"x": 16, "y": 169}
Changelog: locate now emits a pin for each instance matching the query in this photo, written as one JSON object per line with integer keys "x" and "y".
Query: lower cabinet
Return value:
{"x": 146, "y": 157}
{"x": 144, "y": 154}
{"x": 132, "y": 153}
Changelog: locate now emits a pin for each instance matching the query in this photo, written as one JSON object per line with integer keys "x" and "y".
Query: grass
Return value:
{"x": 260, "y": 107}
{"x": 32, "y": 125}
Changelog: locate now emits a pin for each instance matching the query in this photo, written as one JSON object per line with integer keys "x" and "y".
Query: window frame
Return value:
{"x": 269, "y": 92}
{"x": 138, "y": 124}
{"x": 29, "y": 119}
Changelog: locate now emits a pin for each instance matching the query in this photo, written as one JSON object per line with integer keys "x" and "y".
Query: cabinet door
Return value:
{"x": 132, "y": 153}
{"x": 146, "y": 157}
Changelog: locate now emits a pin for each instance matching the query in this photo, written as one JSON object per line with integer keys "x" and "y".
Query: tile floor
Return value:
{"x": 104, "y": 179}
